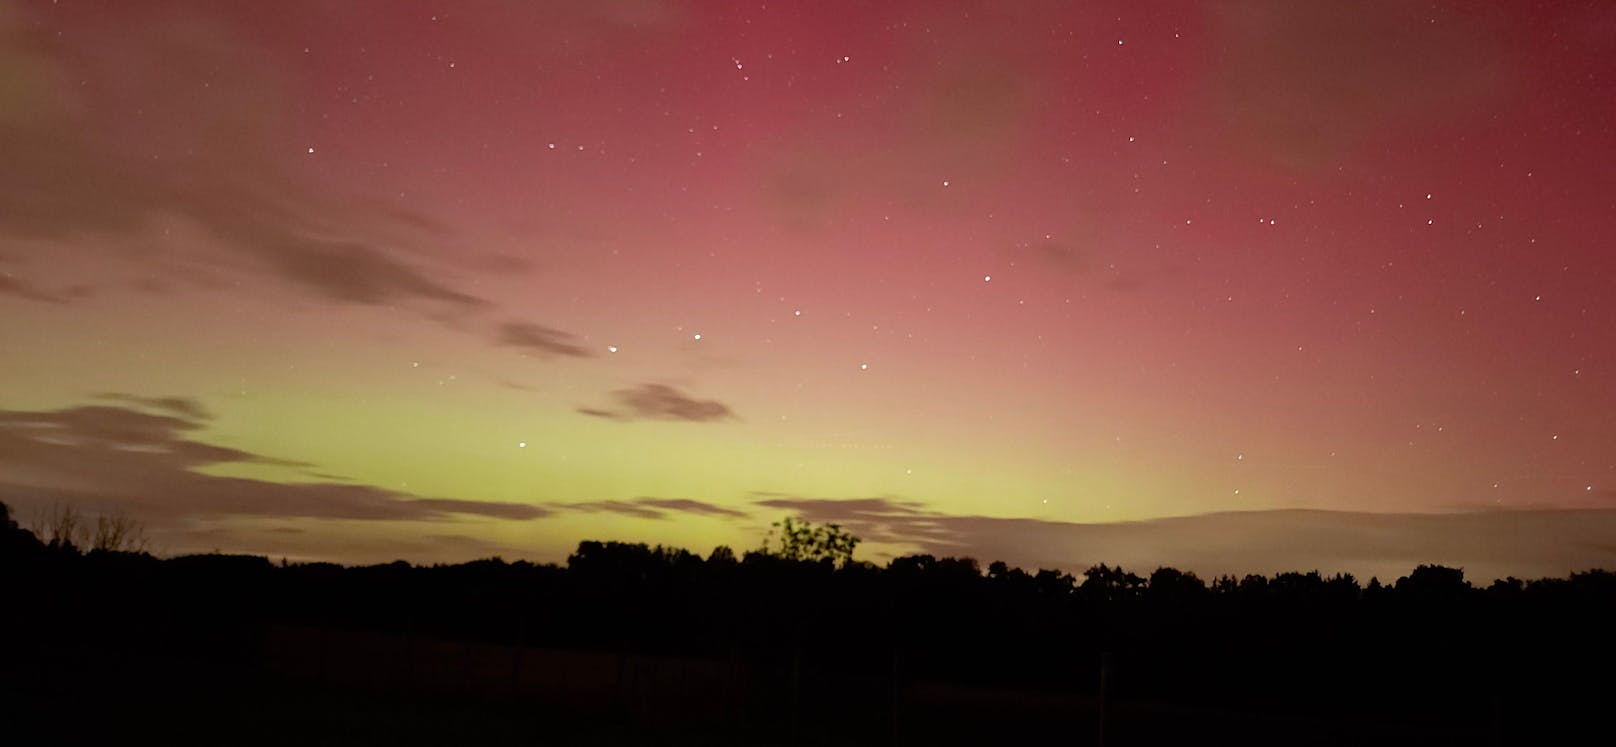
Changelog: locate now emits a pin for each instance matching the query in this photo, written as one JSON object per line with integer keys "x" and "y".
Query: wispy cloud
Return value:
{"x": 69, "y": 173}
{"x": 147, "y": 464}
{"x": 661, "y": 402}
{"x": 14, "y": 286}
{"x": 543, "y": 340}
{"x": 184, "y": 407}
{"x": 1302, "y": 82}
{"x": 654, "y": 508}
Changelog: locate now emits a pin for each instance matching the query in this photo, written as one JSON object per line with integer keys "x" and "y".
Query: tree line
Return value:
{"x": 1426, "y": 647}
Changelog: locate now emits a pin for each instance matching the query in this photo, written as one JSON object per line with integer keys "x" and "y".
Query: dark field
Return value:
{"x": 630, "y": 645}
{"x": 308, "y": 686}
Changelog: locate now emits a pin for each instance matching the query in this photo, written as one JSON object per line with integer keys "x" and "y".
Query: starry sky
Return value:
{"x": 1241, "y": 287}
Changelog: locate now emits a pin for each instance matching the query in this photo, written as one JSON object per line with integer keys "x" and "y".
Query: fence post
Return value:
{"x": 897, "y": 691}
{"x": 1105, "y": 692}
{"x": 516, "y": 659}
{"x": 796, "y": 687}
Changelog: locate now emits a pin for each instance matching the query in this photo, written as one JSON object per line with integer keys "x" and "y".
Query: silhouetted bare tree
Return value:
{"x": 116, "y": 532}
{"x": 62, "y": 527}
{"x": 59, "y": 526}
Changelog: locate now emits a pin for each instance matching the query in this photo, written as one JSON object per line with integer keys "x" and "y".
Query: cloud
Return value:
{"x": 689, "y": 506}
{"x": 979, "y": 99}
{"x": 1303, "y": 82}
{"x": 1487, "y": 545}
{"x": 1065, "y": 263}
{"x": 884, "y": 520}
{"x": 184, "y": 407}
{"x": 350, "y": 271}
{"x": 139, "y": 119}
{"x": 333, "y": 542}
{"x": 543, "y": 340}
{"x": 13, "y": 286}
{"x": 654, "y": 508}
{"x": 146, "y": 463}
{"x": 661, "y": 402}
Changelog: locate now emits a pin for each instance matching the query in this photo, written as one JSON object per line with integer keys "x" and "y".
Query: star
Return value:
{"x": 521, "y": 444}
{"x": 696, "y": 337}
{"x": 611, "y": 348}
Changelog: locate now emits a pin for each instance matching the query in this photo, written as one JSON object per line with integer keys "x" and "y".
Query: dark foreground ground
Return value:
{"x": 633, "y": 645}
{"x": 278, "y": 686}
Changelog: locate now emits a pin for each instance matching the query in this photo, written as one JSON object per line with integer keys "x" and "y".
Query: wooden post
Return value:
{"x": 1498, "y": 718}
{"x": 409, "y": 653}
{"x": 897, "y": 692}
{"x": 796, "y": 686}
{"x": 1105, "y": 692}
{"x": 623, "y": 704}
{"x": 324, "y": 645}
{"x": 516, "y": 658}
{"x": 726, "y": 693}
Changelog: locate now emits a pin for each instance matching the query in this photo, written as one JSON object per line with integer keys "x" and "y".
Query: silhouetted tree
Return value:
{"x": 15, "y": 542}
{"x": 1102, "y": 582}
{"x": 1595, "y": 584}
{"x": 1173, "y": 584}
{"x": 116, "y": 532}
{"x": 1054, "y": 583}
{"x": 64, "y": 528}
{"x": 1510, "y": 586}
{"x": 60, "y": 527}
{"x": 1342, "y": 587}
{"x": 801, "y": 540}
{"x": 1434, "y": 582}
{"x": 911, "y": 566}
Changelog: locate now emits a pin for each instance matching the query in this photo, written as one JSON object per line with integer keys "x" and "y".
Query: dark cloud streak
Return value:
{"x": 12, "y": 286}
{"x": 541, "y": 339}
{"x": 148, "y": 464}
{"x": 69, "y": 175}
{"x": 661, "y": 402}
{"x": 184, "y": 407}
{"x": 654, "y": 508}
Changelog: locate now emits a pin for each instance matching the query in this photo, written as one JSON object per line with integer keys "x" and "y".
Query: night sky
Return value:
{"x": 1239, "y": 287}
